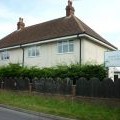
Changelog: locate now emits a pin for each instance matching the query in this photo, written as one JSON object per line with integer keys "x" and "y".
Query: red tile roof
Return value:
{"x": 61, "y": 27}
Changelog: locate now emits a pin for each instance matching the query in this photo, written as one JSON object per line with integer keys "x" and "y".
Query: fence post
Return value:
{"x": 73, "y": 90}
{"x": 2, "y": 85}
{"x": 30, "y": 87}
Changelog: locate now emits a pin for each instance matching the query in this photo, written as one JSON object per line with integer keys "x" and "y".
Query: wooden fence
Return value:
{"x": 83, "y": 87}
{"x": 96, "y": 88}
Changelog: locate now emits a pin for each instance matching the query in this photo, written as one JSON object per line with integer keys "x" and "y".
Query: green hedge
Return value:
{"x": 73, "y": 71}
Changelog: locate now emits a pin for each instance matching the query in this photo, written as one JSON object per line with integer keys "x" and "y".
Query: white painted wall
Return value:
{"x": 15, "y": 57}
{"x": 92, "y": 52}
{"x": 49, "y": 56}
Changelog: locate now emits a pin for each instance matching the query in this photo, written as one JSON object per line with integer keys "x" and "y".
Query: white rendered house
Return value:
{"x": 65, "y": 40}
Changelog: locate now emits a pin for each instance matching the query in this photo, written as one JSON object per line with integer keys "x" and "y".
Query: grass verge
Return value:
{"x": 59, "y": 106}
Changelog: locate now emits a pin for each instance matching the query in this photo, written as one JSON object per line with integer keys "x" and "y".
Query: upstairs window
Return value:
{"x": 5, "y": 55}
{"x": 66, "y": 46}
{"x": 33, "y": 51}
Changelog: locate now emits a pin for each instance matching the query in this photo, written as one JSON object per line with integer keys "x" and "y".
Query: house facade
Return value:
{"x": 65, "y": 40}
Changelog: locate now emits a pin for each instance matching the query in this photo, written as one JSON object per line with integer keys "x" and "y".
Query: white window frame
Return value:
{"x": 64, "y": 46}
{"x": 5, "y": 55}
{"x": 33, "y": 51}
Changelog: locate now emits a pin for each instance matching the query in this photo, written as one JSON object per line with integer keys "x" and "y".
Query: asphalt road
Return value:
{"x": 8, "y": 114}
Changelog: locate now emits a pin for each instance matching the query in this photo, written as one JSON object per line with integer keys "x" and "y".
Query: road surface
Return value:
{"x": 8, "y": 114}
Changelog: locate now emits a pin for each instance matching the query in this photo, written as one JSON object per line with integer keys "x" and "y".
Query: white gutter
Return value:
{"x": 51, "y": 40}
{"x": 98, "y": 41}
{"x": 7, "y": 48}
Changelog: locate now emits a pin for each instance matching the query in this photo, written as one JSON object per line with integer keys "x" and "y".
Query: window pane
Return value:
{"x": 59, "y": 49}
{"x": 28, "y": 52}
{"x": 8, "y": 56}
{"x": 65, "y": 42}
{"x": 71, "y": 48}
{"x": 37, "y": 51}
{"x": 65, "y": 48}
{"x": 33, "y": 52}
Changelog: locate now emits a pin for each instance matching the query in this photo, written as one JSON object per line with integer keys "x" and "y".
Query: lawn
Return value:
{"x": 60, "y": 106}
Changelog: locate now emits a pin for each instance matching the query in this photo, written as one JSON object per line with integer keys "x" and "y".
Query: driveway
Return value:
{"x": 8, "y": 114}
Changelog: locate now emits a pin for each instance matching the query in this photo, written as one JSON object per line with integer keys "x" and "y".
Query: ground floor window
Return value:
{"x": 5, "y": 55}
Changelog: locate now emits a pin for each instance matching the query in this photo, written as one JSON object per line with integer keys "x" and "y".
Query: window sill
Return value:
{"x": 65, "y": 53}
{"x": 33, "y": 56}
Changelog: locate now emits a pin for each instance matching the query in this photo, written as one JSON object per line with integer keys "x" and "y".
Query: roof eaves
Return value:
{"x": 8, "y": 48}
{"x": 105, "y": 41}
{"x": 98, "y": 41}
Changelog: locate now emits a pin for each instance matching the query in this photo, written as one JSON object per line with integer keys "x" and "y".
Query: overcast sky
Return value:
{"x": 103, "y": 16}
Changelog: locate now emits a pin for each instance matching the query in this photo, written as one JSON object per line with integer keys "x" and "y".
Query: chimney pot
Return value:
{"x": 20, "y": 24}
{"x": 69, "y": 9}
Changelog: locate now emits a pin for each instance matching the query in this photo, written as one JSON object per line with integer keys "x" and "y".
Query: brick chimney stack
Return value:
{"x": 20, "y": 24}
{"x": 69, "y": 9}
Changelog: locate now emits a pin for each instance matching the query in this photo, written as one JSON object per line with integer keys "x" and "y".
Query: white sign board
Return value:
{"x": 112, "y": 59}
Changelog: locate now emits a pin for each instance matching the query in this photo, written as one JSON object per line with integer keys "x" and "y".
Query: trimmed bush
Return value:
{"x": 74, "y": 72}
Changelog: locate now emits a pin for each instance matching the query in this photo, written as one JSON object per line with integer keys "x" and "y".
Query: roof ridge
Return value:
{"x": 44, "y": 22}
{"x": 79, "y": 24}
